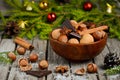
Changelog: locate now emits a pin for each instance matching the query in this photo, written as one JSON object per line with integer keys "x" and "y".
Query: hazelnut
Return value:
{"x": 80, "y": 71}
{"x": 43, "y": 64}
{"x": 23, "y": 62}
{"x": 21, "y": 50}
{"x": 92, "y": 68}
{"x": 73, "y": 41}
{"x": 61, "y": 69}
{"x": 63, "y": 38}
{"x": 74, "y": 23}
{"x": 86, "y": 39}
{"x": 98, "y": 35}
{"x": 12, "y": 56}
{"x": 82, "y": 27}
{"x": 56, "y": 33}
{"x": 33, "y": 57}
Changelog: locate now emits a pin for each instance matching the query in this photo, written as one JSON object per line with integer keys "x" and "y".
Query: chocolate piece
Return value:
{"x": 67, "y": 24}
{"x": 40, "y": 73}
{"x": 74, "y": 35}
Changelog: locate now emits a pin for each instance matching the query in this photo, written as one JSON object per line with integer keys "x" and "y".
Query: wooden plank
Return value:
{"x": 99, "y": 61}
{"x": 55, "y": 60}
{"x": 114, "y": 45}
{"x": 5, "y": 45}
{"x": 40, "y": 49}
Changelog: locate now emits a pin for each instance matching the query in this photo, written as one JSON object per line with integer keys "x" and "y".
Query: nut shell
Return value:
{"x": 73, "y": 41}
{"x": 33, "y": 57}
{"x": 56, "y": 33}
{"x": 63, "y": 38}
{"x": 26, "y": 68}
{"x": 21, "y": 50}
{"x": 43, "y": 64}
{"x": 23, "y": 62}
{"x": 86, "y": 39}
{"x": 98, "y": 35}
{"x": 74, "y": 23}
{"x": 61, "y": 69}
{"x": 12, "y": 56}
{"x": 92, "y": 68}
{"x": 80, "y": 71}
{"x": 82, "y": 27}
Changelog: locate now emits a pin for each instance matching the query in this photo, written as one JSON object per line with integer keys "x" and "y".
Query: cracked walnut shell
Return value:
{"x": 61, "y": 69}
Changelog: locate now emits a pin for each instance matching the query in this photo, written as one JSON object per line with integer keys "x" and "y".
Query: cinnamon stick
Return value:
{"x": 93, "y": 30}
{"x": 23, "y": 43}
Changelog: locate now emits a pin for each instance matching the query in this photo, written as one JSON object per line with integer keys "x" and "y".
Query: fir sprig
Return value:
{"x": 113, "y": 71}
{"x": 4, "y": 58}
{"x": 11, "y": 4}
{"x": 37, "y": 17}
{"x": 3, "y": 19}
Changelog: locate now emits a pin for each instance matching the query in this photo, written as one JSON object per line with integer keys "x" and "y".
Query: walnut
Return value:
{"x": 24, "y": 65}
{"x": 61, "y": 69}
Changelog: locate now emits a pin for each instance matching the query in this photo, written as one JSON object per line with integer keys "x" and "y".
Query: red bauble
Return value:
{"x": 87, "y": 6}
{"x": 51, "y": 17}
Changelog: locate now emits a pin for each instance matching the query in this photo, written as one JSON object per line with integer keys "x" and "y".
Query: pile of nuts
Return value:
{"x": 23, "y": 62}
{"x": 75, "y": 33}
{"x": 91, "y": 68}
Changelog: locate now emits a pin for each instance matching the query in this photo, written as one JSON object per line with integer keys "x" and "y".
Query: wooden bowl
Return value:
{"x": 78, "y": 52}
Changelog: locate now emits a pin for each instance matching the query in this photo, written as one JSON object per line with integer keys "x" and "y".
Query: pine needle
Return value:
{"x": 113, "y": 71}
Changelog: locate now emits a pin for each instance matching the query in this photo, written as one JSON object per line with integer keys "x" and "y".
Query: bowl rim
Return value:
{"x": 50, "y": 37}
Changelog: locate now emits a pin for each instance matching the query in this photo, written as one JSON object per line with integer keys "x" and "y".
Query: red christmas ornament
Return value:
{"x": 87, "y": 6}
{"x": 51, "y": 17}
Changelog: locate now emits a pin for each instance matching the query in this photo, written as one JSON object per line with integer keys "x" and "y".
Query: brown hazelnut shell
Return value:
{"x": 56, "y": 33}
{"x": 92, "y": 68}
{"x": 43, "y": 64}
{"x": 63, "y": 38}
{"x": 33, "y": 57}
{"x": 26, "y": 68}
{"x": 80, "y": 71}
{"x": 12, "y": 56}
{"x": 21, "y": 50}
{"x": 23, "y": 62}
{"x": 73, "y": 41}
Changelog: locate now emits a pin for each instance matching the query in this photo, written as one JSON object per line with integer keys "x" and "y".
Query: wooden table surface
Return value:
{"x": 43, "y": 49}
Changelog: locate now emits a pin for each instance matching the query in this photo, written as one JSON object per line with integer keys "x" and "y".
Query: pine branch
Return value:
{"x": 35, "y": 7}
{"x": 34, "y": 20}
{"x": 11, "y": 4}
{"x": 4, "y": 58}
{"x": 113, "y": 71}
{"x": 18, "y": 3}
{"x": 57, "y": 22}
{"x": 3, "y": 19}
{"x": 22, "y": 14}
